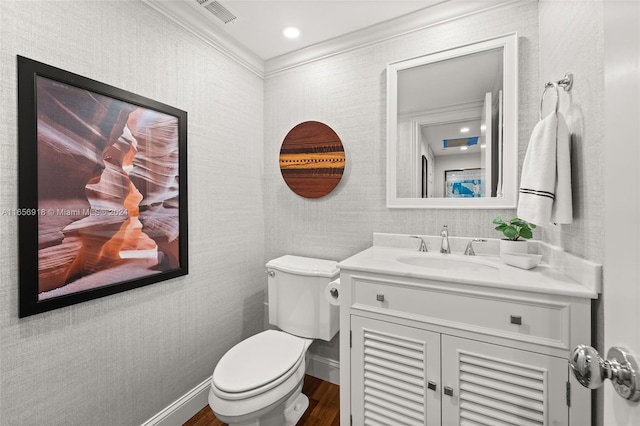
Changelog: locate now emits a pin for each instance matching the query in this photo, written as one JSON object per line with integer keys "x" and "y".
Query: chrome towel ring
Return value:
{"x": 566, "y": 83}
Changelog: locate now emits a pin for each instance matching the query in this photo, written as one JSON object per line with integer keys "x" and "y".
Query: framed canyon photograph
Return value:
{"x": 102, "y": 200}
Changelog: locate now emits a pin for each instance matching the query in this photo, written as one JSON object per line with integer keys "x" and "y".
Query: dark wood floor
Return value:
{"x": 324, "y": 406}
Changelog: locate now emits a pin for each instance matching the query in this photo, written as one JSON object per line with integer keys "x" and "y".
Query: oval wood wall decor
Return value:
{"x": 312, "y": 159}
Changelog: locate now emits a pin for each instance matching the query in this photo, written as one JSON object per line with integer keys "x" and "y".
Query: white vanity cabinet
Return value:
{"x": 422, "y": 351}
{"x": 407, "y": 375}
{"x": 391, "y": 368}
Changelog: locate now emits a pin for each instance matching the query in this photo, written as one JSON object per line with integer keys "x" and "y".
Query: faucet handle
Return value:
{"x": 469, "y": 250}
{"x": 423, "y": 245}
{"x": 444, "y": 245}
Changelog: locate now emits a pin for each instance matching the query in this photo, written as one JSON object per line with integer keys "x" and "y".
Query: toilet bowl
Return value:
{"x": 258, "y": 382}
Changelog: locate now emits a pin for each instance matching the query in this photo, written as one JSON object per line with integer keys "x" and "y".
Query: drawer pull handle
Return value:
{"x": 448, "y": 390}
{"x": 380, "y": 297}
{"x": 431, "y": 385}
{"x": 516, "y": 319}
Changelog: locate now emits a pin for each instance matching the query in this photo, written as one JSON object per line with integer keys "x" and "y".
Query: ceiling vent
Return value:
{"x": 218, "y": 10}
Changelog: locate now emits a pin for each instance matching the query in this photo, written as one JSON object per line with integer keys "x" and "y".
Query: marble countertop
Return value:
{"x": 540, "y": 279}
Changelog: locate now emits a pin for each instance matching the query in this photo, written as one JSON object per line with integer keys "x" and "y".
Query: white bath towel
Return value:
{"x": 545, "y": 185}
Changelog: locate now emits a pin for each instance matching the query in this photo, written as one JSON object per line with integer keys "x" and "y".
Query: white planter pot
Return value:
{"x": 509, "y": 246}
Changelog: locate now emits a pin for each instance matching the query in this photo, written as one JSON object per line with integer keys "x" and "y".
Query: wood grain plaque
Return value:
{"x": 312, "y": 159}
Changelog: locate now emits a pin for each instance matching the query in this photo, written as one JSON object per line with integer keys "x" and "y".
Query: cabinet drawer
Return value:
{"x": 535, "y": 321}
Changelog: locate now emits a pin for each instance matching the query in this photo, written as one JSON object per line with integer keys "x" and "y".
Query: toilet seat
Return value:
{"x": 245, "y": 407}
{"x": 258, "y": 364}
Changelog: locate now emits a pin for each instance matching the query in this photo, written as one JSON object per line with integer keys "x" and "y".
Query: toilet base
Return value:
{"x": 294, "y": 411}
{"x": 286, "y": 412}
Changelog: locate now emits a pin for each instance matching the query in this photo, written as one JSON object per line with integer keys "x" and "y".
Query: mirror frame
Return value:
{"x": 509, "y": 43}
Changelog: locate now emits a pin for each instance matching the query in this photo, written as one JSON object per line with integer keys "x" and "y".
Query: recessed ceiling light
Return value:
{"x": 464, "y": 130}
{"x": 290, "y": 32}
{"x": 463, "y": 148}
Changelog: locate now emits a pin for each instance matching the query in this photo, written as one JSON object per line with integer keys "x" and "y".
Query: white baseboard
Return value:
{"x": 323, "y": 368}
{"x": 183, "y": 408}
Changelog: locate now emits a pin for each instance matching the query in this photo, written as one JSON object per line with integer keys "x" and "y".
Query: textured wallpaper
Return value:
{"x": 348, "y": 92}
{"x": 121, "y": 359}
{"x": 572, "y": 40}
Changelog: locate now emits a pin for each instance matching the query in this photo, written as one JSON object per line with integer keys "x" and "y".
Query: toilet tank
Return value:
{"x": 296, "y": 294}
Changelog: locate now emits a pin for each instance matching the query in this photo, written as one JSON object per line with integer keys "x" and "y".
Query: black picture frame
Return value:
{"x": 424, "y": 181}
{"x": 102, "y": 189}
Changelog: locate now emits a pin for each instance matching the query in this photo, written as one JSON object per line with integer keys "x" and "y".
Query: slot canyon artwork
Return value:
{"x": 102, "y": 189}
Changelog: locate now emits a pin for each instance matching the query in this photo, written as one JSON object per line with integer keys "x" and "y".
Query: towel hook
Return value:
{"x": 566, "y": 83}
{"x": 547, "y": 86}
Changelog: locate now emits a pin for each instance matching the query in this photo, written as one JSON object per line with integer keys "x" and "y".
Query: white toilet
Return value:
{"x": 258, "y": 382}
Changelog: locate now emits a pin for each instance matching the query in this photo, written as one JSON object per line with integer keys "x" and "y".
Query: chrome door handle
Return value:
{"x": 620, "y": 367}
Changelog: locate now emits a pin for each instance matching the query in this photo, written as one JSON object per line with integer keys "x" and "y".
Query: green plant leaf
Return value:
{"x": 510, "y": 232}
{"x": 518, "y": 222}
{"x": 514, "y": 228}
{"x": 526, "y": 233}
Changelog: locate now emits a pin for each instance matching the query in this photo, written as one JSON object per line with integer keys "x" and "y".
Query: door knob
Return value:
{"x": 620, "y": 367}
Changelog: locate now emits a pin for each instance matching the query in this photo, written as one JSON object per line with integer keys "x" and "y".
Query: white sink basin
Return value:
{"x": 445, "y": 262}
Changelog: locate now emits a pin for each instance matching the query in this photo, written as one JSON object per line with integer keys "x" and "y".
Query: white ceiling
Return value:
{"x": 259, "y": 22}
{"x": 254, "y": 38}
{"x": 455, "y": 81}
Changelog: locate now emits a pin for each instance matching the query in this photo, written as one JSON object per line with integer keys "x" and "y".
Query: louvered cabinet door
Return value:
{"x": 487, "y": 384}
{"x": 395, "y": 374}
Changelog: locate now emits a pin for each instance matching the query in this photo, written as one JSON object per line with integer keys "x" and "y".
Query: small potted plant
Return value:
{"x": 514, "y": 230}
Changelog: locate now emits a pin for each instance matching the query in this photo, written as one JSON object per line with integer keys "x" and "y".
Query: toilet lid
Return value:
{"x": 257, "y": 361}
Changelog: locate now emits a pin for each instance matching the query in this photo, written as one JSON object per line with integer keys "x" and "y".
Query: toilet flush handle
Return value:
{"x": 270, "y": 273}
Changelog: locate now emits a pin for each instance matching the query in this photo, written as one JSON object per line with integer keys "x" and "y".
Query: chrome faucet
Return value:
{"x": 444, "y": 246}
{"x": 469, "y": 250}
{"x": 423, "y": 245}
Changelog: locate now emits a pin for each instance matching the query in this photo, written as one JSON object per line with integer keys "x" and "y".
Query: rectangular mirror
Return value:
{"x": 452, "y": 127}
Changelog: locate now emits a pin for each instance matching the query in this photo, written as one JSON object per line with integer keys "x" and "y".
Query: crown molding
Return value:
{"x": 440, "y": 115}
{"x": 188, "y": 15}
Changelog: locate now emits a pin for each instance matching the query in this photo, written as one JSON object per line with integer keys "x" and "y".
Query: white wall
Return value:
{"x": 347, "y": 92}
{"x": 571, "y": 40}
{"x": 121, "y": 359}
{"x": 406, "y": 171}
